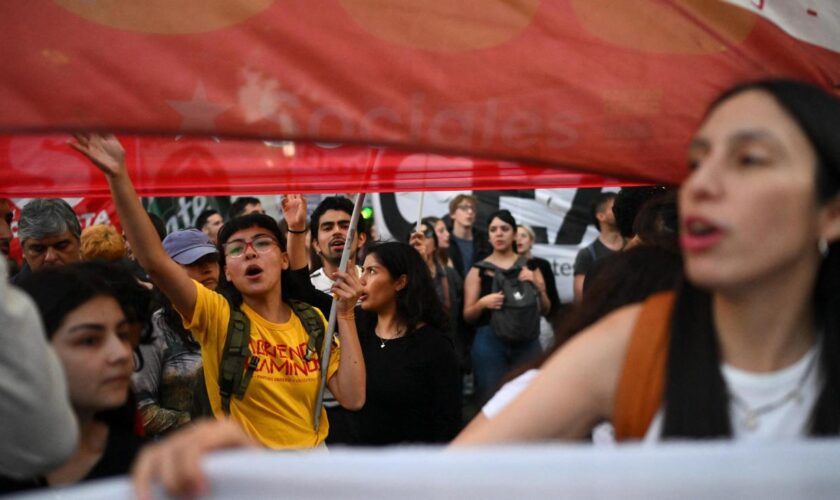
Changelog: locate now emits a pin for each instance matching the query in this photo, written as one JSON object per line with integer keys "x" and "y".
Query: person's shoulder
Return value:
{"x": 602, "y": 349}
{"x": 432, "y": 336}
{"x": 584, "y": 251}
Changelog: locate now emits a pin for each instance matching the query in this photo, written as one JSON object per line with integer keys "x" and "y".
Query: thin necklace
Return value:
{"x": 382, "y": 341}
{"x": 751, "y": 416}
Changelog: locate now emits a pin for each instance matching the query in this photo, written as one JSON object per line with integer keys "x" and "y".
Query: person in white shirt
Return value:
{"x": 752, "y": 350}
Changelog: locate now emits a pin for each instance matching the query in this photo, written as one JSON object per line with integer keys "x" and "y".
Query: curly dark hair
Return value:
{"x": 417, "y": 302}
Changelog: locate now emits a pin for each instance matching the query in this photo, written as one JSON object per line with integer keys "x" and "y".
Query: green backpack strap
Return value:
{"x": 235, "y": 355}
{"x": 314, "y": 326}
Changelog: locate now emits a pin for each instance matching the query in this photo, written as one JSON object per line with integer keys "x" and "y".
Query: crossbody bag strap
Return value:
{"x": 640, "y": 388}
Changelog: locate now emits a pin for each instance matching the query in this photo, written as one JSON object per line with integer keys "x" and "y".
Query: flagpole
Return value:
{"x": 326, "y": 351}
{"x": 420, "y": 212}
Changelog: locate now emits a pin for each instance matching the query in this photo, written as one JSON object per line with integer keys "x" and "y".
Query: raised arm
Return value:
{"x": 106, "y": 152}
{"x": 348, "y": 384}
{"x": 294, "y": 211}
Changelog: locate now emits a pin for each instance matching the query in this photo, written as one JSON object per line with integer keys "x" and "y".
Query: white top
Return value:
{"x": 322, "y": 282}
{"x": 602, "y": 434}
{"x": 787, "y": 421}
{"x": 508, "y": 393}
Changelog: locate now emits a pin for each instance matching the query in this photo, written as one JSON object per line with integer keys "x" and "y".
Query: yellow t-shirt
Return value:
{"x": 277, "y": 407}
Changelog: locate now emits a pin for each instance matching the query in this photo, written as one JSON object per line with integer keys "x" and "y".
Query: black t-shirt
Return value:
{"x": 413, "y": 383}
{"x": 590, "y": 254}
{"x": 413, "y": 389}
{"x": 123, "y": 446}
{"x": 120, "y": 450}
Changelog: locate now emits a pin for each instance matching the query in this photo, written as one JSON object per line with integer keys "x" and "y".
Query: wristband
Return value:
{"x": 346, "y": 316}
{"x": 302, "y": 231}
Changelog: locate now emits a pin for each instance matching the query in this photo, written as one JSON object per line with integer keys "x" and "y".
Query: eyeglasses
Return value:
{"x": 236, "y": 249}
{"x": 466, "y": 207}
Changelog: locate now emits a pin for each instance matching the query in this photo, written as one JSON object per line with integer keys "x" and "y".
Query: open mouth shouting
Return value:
{"x": 699, "y": 234}
{"x": 337, "y": 245}
{"x": 253, "y": 272}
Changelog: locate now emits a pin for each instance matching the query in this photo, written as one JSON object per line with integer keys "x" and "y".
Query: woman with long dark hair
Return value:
{"x": 413, "y": 380}
{"x": 747, "y": 348}
{"x": 90, "y": 325}
{"x": 448, "y": 284}
{"x": 494, "y": 353}
{"x": 414, "y": 389}
{"x": 443, "y": 241}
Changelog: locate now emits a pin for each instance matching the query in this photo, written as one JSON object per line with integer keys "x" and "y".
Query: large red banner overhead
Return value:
{"x": 605, "y": 87}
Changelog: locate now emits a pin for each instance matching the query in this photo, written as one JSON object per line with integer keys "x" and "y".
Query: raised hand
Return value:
{"x": 418, "y": 241}
{"x": 105, "y": 151}
{"x": 294, "y": 210}
{"x": 176, "y": 461}
{"x": 347, "y": 289}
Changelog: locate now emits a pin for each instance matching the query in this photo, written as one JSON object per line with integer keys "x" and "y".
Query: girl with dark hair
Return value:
{"x": 413, "y": 380}
{"x": 87, "y": 323}
{"x": 275, "y": 399}
{"x": 749, "y": 345}
{"x": 442, "y": 237}
{"x": 448, "y": 283}
{"x": 492, "y": 355}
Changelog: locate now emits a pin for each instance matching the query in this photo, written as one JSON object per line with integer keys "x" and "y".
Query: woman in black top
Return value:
{"x": 413, "y": 389}
{"x": 413, "y": 378}
{"x": 91, "y": 328}
{"x": 493, "y": 355}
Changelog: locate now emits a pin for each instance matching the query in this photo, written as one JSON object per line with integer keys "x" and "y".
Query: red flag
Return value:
{"x": 613, "y": 88}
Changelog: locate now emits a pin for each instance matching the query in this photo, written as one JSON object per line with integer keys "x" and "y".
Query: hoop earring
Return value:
{"x": 822, "y": 245}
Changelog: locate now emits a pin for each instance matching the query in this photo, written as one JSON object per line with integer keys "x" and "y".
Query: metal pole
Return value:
{"x": 420, "y": 212}
{"x": 327, "y": 349}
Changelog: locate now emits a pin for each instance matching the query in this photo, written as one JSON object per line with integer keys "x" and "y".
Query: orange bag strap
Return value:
{"x": 640, "y": 388}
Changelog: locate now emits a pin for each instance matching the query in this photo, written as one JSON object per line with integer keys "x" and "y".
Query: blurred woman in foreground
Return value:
{"x": 747, "y": 348}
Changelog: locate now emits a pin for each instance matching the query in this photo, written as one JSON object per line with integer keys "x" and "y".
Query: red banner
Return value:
{"x": 613, "y": 88}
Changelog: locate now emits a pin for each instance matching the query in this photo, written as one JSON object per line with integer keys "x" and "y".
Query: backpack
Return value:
{"x": 519, "y": 318}
{"x": 236, "y": 355}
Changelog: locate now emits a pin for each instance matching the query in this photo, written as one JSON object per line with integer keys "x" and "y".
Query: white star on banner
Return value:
{"x": 198, "y": 113}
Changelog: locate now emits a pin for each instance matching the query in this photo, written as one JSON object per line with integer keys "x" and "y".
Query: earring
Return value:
{"x": 822, "y": 245}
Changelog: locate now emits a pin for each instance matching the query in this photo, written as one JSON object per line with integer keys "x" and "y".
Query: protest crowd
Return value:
{"x": 710, "y": 310}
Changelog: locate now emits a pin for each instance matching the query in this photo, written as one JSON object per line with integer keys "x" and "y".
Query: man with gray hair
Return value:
{"x": 49, "y": 234}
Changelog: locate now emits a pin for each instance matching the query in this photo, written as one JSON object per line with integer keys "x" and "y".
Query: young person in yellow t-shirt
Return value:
{"x": 277, "y": 409}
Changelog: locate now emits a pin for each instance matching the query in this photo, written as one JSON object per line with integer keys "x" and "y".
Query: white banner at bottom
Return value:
{"x": 805, "y": 469}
